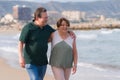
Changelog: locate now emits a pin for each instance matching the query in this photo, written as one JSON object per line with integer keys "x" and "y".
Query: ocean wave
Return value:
{"x": 8, "y": 42}
{"x": 9, "y": 49}
{"x": 116, "y": 30}
{"x": 100, "y": 67}
{"x": 88, "y": 65}
{"x": 109, "y": 31}
{"x": 108, "y": 66}
{"x": 87, "y": 36}
{"x": 16, "y": 36}
{"x": 106, "y": 31}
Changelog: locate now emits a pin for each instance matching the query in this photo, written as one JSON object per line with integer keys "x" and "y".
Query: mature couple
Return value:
{"x": 33, "y": 45}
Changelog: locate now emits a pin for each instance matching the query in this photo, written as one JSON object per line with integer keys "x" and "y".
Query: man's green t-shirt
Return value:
{"x": 36, "y": 43}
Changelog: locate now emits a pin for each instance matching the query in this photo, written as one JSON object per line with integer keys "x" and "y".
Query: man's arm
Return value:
{"x": 72, "y": 34}
{"x": 20, "y": 54}
{"x": 50, "y": 38}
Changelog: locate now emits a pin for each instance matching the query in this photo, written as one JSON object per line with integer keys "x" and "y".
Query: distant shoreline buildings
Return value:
{"x": 24, "y": 13}
{"x": 74, "y": 16}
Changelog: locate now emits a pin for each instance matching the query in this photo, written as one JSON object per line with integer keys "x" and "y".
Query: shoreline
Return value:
{"x": 9, "y": 73}
{"x": 9, "y": 31}
{"x": 72, "y": 27}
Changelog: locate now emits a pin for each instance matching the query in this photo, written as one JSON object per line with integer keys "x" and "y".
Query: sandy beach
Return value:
{"x": 10, "y": 73}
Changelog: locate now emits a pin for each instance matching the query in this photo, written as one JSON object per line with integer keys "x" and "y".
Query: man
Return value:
{"x": 33, "y": 45}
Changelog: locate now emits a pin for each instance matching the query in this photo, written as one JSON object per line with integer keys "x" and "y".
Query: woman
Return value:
{"x": 64, "y": 53}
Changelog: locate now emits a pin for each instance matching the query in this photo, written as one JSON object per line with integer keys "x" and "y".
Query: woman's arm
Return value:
{"x": 75, "y": 56}
{"x": 20, "y": 54}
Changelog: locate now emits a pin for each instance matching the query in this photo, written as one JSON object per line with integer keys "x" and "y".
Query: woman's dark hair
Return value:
{"x": 59, "y": 22}
{"x": 38, "y": 12}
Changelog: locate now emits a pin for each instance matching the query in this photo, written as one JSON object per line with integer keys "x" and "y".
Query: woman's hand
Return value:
{"x": 74, "y": 69}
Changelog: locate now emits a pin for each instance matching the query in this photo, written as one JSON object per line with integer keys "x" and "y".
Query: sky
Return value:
{"x": 70, "y": 0}
{"x": 66, "y": 0}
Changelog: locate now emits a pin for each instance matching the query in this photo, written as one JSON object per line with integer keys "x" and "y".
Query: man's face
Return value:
{"x": 43, "y": 19}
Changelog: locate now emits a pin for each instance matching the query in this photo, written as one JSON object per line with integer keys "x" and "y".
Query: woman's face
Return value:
{"x": 63, "y": 26}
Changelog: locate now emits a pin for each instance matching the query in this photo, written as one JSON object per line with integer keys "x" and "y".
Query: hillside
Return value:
{"x": 110, "y": 8}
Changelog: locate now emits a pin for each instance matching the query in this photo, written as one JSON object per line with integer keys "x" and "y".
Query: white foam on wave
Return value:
{"x": 9, "y": 49}
{"x": 87, "y": 36}
{"x": 113, "y": 76}
{"x": 116, "y": 30}
{"x": 88, "y": 65}
{"x": 8, "y": 42}
{"x": 107, "y": 31}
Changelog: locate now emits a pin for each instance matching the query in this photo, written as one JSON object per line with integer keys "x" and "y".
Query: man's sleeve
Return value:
{"x": 24, "y": 34}
{"x": 52, "y": 29}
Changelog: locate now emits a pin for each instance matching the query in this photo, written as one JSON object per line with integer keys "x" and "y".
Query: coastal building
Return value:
{"x": 15, "y": 11}
{"x": 22, "y": 13}
{"x": 102, "y": 17}
{"x": 74, "y": 16}
{"x": 96, "y": 18}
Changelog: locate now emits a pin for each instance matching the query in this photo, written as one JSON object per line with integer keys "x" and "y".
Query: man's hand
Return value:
{"x": 72, "y": 34}
{"x": 22, "y": 62}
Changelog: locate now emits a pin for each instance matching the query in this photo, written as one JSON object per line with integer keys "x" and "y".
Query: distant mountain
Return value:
{"x": 110, "y": 8}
